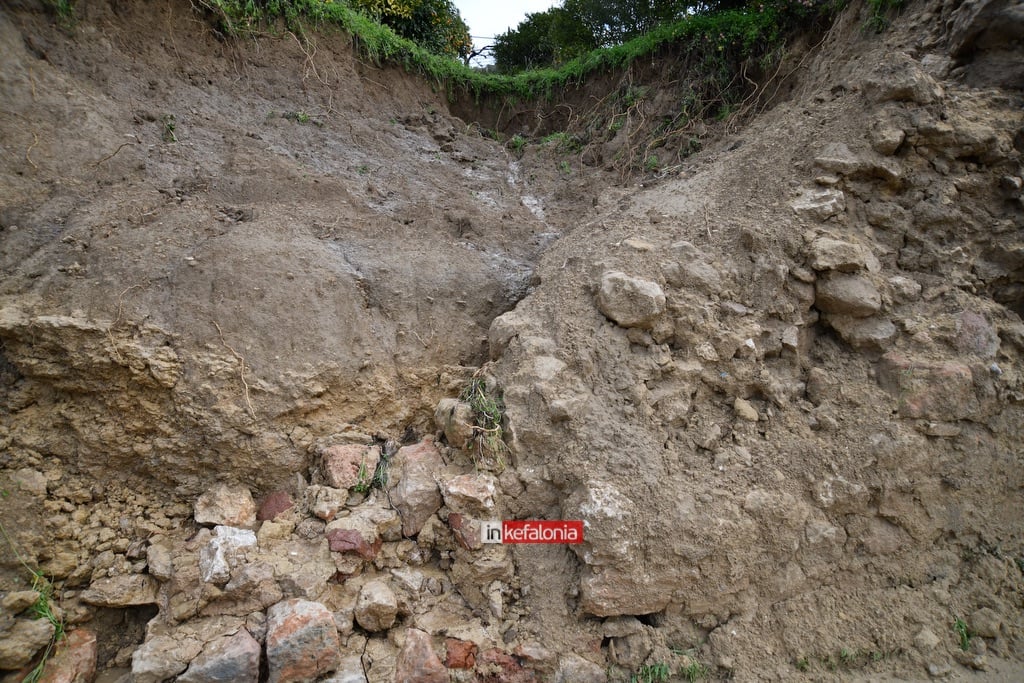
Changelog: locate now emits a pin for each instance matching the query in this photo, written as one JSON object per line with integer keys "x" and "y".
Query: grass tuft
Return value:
{"x": 963, "y": 633}
{"x": 42, "y": 608}
{"x": 489, "y": 413}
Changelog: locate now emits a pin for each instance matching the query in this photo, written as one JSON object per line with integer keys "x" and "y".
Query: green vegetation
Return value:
{"x": 728, "y": 53}
{"x": 296, "y": 116}
{"x": 719, "y": 42}
{"x": 694, "y": 671}
{"x": 169, "y": 124}
{"x": 660, "y": 672}
{"x": 364, "y": 483}
{"x": 517, "y": 143}
{"x": 489, "y": 413}
{"x": 42, "y": 608}
{"x": 564, "y": 142}
{"x": 846, "y": 659}
{"x": 963, "y": 633}
{"x": 651, "y": 673}
{"x": 880, "y": 11}
{"x": 65, "y": 11}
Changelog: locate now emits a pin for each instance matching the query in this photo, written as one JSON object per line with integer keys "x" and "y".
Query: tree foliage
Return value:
{"x": 542, "y": 39}
{"x": 384, "y": 10}
{"x": 436, "y": 25}
{"x": 563, "y": 33}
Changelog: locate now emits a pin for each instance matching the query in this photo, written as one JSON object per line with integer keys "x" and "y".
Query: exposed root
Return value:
{"x": 117, "y": 321}
{"x": 113, "y": 154}
{"x": 241, "y": 370}
{"x": 28, "y": 152}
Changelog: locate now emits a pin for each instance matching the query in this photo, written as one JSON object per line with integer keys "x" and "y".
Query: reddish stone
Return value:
{"x": 496, "y": 666}
{"x": 465, "y": 530}
{"x": 74, "y": 661}
{"x": 302, "y": 641}
{"x": 348, "y": 465}
{"x": 417, "y": 662}
{"x": 351, "y": 541}
{"x": 461, "y": 654}
{"x": 932, "y": 390}
{"x": 273, "y": 505}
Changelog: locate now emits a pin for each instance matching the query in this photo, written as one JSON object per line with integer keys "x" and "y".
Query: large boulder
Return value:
{"x": 302, "y": 641}
{"x": 413, "y": 484}
{"x": 228, "y": 658}
{"x": 163, "y": 657}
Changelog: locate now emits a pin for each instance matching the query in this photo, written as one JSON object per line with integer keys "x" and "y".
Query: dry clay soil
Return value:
{"x": 220, "y": 254}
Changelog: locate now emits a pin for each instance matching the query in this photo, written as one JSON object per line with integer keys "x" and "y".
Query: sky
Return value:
{"x": 488, "y": 18}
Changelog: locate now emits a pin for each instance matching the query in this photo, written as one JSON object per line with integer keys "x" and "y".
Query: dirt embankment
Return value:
{"x": 781, "y": 385}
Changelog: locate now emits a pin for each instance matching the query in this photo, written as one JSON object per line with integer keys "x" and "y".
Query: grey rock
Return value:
{"x": 229, "y": 658}
{"x": 837, "y": 157}
{"x": 841, "y": 496}
{"x": 865, "y": 334}
{"x": 163, "y": 657}
{"x": 904, "y": 289}
{"x": 17, "y": 602}
{"x": 630, "y": 301}
{"x": 745, "y": 410}
{"x": 886, "y": 137}
{"x": 326, "y": 501}
{"x": 926, "y": 640}
{"x": 986, "y": 623}
{"x": 159, "y": 561}
{"x": 820, "y": 203}
{"x": 349, "y": 671}
{"x": 900, "y": 78}
{"x": 845, "y": 294}
{"x": 29, "y": 481}
{"x": 698, "y": 274}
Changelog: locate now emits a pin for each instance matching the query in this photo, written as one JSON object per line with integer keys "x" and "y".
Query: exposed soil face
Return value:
{"x": 781, "y": 384}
